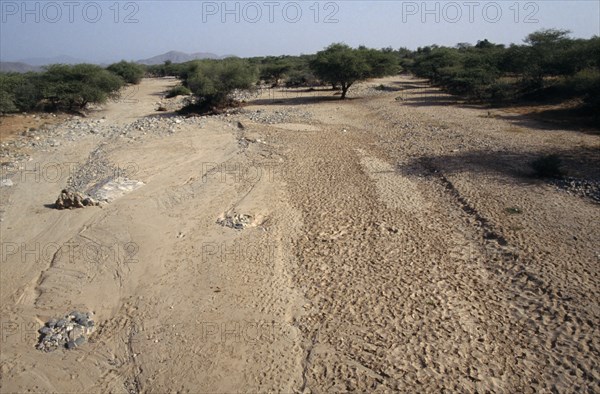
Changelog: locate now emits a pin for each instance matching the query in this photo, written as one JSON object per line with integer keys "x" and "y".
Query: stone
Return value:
{"x": 72, "y": 199}
{"x": 67, "y": 332}
{"x": 76, "y": 332}
{"x": 45, "y": 330}
{"x": 235, "y": 221}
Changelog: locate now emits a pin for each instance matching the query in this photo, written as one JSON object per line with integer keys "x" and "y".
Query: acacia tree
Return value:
{"x": 341, "y": 65}
{"x": 19, "y": 92}
{"x": 273, "y": 69}
{"x": 76, "y": 86}
{"x": 213, "y": 81}
{"x": 130, "y": 72}
{"x": 546, "y": 53}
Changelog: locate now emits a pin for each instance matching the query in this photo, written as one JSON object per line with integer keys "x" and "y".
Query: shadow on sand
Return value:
{"x": 581, "y": 163}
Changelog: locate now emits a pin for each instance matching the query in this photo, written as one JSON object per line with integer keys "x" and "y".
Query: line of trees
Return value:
{"x": 339, "y": 66}
{"x": 65, "y": 87}
{"x": 548, "y": 65}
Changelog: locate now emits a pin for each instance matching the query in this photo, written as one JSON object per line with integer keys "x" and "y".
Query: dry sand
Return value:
{"x": 382, "y": 254}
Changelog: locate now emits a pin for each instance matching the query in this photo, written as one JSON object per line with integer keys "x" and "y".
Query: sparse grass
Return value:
{"x": 179, "y": 90}
{"x": 513, "y": 210}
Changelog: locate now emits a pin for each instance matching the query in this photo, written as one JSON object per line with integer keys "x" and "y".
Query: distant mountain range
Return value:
{"x": 44, "y": 61}
{"x": 17, "y": 67}
{"x": 179, "y": 57}
{"x": 35, "y": 64}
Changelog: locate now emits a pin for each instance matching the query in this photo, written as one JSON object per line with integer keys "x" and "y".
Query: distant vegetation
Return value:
{"x": 65, "y": 87}
{"x": 213, "y": 81}
{"x": 130, "y": 72}
{"x": 178, "y": 90}
{"x": 342, "y": 66}
{"x": 548, "y": 66}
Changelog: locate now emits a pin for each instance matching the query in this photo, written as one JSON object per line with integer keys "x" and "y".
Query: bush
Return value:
{"x": 272, "y": 70}
{"x": 19, "y": 92}
{"x": 67, "y": 87}
{"x": 341, "y": 65}
{"x": 59, "y": 87}
{"x": 299, "y": 78}
{"x": 213, "y": 81}
{"x": 548, "y": 166}
{"x": 501, "y": 92}
{"x": 179, "y": 90}
{"x": 586, "y": 83}
{"x": 130, "y": 72}
{"x": 7, "y": 103}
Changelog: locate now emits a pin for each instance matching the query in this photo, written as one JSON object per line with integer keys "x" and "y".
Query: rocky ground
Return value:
{"x": 396, "y": 241}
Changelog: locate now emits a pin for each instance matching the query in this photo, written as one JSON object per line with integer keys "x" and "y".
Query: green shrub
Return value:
{"x": 501, "y": 92}
{"x": 300, "y": 78}
{"x": 19, "y": 92}
{"x": 179, "y": 90}
{"x": 586, "y": 83}
{"x": 273, "y": 69}
{"x": 130, "y": 72}
{"x": 68, "y": 87}
{"x": 213, "y": 81}
{"x": 7, "y": 103}
{"x": 59, "y": 87}
{"x": 548, "y": 166}
{"x": 341, "y": 65}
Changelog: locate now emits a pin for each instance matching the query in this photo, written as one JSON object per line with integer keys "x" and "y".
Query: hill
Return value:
{"x": 17, "y": 67}
{"x": 177, "y": 57}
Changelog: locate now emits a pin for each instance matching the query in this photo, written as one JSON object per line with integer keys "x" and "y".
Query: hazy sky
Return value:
{"x": 107, "y": 31}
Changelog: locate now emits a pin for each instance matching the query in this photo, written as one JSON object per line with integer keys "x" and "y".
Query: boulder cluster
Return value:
{"x": 71, "y": 199}
{"x": 68, "y": 332}
{"x": 236, "y": 221}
